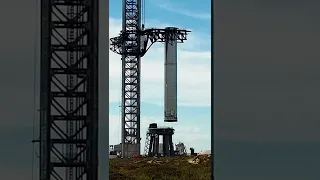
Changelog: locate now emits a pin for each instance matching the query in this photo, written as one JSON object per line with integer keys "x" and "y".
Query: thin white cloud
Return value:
{"x": 194, "y": 73}
{"x": 185, "y": 12}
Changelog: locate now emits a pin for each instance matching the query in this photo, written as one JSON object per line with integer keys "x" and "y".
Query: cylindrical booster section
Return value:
{"x": 170, "y": 80}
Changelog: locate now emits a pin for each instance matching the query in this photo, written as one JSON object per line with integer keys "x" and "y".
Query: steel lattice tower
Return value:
{"x": 69, "y": 90}
{"x": 131, "y": 24}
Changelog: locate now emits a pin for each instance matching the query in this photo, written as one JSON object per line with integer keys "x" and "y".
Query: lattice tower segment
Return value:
{"x": 69, "y": 90}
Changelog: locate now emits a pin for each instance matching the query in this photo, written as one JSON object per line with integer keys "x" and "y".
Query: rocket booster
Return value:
{"x": 170, "y": 81}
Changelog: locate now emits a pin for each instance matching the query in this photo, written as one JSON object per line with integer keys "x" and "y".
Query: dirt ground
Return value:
{"x": 164, "y": 168}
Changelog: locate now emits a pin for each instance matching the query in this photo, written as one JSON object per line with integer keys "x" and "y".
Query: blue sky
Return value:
{"x": 194, "y": 62}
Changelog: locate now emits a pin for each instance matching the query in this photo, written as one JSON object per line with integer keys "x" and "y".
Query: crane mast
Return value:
{"x": 132, "y": 44}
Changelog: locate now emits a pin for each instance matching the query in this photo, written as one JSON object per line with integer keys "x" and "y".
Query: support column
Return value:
{"x": 171, "y": 146}
{"x": 157, "y": 145}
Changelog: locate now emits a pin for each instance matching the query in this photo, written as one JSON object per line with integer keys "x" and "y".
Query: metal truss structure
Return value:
{"x": 69, "y": 90}
{"x": 132, "y": 43}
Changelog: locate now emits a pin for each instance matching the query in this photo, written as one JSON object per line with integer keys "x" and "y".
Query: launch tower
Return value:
{"x": 132, "y": 44}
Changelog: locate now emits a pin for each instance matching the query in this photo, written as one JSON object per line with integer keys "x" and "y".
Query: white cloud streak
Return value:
{"x": 185, "y": 12}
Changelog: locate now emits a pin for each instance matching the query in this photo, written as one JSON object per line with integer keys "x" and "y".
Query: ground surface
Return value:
{"x": 169, "y": 168}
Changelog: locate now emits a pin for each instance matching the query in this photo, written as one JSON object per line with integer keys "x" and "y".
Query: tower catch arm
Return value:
{"x": 148, "y": 37}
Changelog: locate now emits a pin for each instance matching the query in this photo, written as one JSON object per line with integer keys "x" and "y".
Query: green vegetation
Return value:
{"x": 165, "y": 168}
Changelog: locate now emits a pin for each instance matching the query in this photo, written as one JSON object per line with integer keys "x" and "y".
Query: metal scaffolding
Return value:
{"x": 69, "y": 90}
